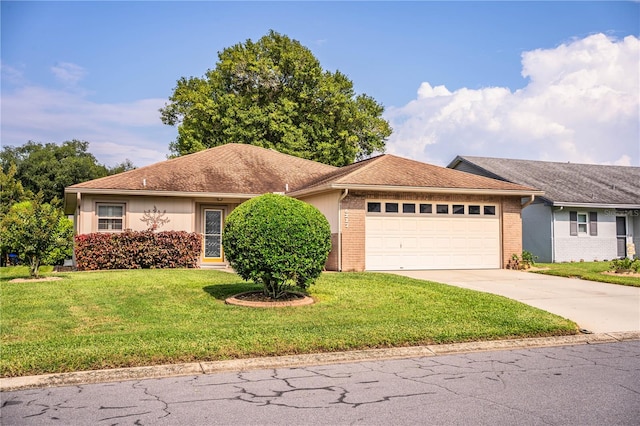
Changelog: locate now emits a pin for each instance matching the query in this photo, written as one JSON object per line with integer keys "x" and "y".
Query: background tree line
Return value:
{"x": 33, "y": 227}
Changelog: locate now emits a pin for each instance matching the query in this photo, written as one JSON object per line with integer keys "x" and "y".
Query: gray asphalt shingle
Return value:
{"x": 564, "y": 182}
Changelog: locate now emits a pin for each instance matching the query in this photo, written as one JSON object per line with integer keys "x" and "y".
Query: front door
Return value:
{"x": 621, "y": 235}
{"x": 212, "y": 232}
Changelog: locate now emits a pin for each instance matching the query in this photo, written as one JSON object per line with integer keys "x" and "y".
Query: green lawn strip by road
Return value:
{"x": 592, "y": 271}
{"x": 95, "y": 320}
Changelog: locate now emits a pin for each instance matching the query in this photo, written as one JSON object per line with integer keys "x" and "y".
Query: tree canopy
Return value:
{"x": 49, "y": 168}
{"x": 37, "y": 232}
{"x": 274, "y": 93}
{"x": 11, "y": 190}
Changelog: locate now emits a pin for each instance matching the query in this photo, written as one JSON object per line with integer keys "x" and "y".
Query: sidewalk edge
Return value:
{"x": 198, "y": 368}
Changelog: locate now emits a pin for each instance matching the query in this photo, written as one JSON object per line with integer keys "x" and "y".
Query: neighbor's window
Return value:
{"x": 391, "y": 207}
{"x": 458, "y": 209}
{"x": 442, "y": 208}
{"x": 474, "y": 209}
{"x": 408, "y": 208}
{"x": 582, "y": 223}
{"x": 374, "y": 207}
{"x": 110, "y": 217}
{"x": 490, "y": 210}
{"x": 425, "y": 208}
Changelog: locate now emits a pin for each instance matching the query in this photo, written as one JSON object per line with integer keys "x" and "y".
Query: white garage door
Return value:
{"x": 432, "y": 242}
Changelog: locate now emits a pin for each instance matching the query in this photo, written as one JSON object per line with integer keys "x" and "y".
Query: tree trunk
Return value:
{"x": 34, "y": 267}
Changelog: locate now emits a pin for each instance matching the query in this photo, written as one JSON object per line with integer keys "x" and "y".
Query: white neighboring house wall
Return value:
{"x": 568, "y": 248}
{"x": 633, "y": 228}
{"x": 537, "y": 231}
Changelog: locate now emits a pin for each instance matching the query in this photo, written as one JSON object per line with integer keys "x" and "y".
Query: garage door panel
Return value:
{"x": 412, "y": 242}
{"x": 392, "y": 225}
{"x": 408, "y": 225}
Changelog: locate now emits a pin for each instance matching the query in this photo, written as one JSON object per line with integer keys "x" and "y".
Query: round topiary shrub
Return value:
{"x": 278, "y": 242}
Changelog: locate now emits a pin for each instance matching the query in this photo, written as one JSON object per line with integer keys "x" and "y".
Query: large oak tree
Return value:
{"x": 274, "y": 93}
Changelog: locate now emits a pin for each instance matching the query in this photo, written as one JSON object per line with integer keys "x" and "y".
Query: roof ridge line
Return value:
{"x": 547, "y": 162}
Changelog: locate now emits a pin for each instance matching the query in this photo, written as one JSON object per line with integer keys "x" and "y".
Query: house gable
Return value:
{"x": 230, "y": 168}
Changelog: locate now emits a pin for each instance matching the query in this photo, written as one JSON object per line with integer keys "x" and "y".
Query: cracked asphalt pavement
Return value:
{"x": 587, "y": 384}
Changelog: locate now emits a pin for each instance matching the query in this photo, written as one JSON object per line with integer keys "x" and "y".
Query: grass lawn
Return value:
{"x": 95, "y": 320}
{"x": 592, "y": 271}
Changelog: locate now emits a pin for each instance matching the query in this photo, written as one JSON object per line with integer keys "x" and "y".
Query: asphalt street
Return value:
{"x": 586, "y": 384}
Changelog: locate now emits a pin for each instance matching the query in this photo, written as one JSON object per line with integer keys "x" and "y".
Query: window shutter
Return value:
{"x": 573, "y": 223}
{"x": 593, "y": 223}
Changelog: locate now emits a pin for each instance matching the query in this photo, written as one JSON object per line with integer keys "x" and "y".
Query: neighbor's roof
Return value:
{"x": 397, "y": 173}
{"x": 225, "y": 169}
{"x": 564, "y": 183}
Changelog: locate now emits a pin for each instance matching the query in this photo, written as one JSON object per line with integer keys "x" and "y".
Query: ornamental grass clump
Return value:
{"x": 278, "y": 242}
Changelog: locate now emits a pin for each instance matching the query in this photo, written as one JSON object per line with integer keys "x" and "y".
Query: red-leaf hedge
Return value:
{"x": 138, "y": 250}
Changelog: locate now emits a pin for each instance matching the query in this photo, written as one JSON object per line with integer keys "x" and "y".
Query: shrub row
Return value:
{"x": 138, "y": 250}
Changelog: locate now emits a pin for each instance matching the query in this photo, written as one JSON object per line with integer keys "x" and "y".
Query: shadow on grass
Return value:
{"x": 223, "y": 291}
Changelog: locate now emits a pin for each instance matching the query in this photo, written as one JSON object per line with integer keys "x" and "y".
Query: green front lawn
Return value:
{"x": 95, "y": 320}
{"x": 592, "y": 271}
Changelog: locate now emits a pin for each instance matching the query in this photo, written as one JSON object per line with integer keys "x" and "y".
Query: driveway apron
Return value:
{"x": 597, "y": 307}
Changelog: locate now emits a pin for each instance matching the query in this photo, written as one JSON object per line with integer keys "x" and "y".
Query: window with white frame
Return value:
{"x": 582, "y": 223}
{"x": 110, "y": 217}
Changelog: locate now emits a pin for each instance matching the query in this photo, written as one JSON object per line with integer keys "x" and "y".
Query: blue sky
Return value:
{"x": 553, "y": 81}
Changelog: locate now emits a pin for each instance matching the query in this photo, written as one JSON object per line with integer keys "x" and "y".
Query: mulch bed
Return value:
{"x": 623, "y": 274}
{"x": 34, "y": 280}
{"x": 257, "y": 299}
{"x": 259, "y": 296}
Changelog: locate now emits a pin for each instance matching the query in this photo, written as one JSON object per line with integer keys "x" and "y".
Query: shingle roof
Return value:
{"x": 241, "y": 169}
{"x": 392, "y": 171}
{"x": 226, "y": 169}
{"x": 566, "y": 183}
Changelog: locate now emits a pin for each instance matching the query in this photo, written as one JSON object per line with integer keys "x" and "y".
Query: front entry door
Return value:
{"x": 621, "y": 234}
{"x": 212, "y": 232}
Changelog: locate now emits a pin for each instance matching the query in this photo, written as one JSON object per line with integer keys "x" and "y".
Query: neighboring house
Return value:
{"x": 386, "y": 213}
{"x": 588, "y": 212}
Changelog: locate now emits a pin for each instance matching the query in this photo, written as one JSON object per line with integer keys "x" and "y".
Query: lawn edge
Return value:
{"x": 287, "y": 361}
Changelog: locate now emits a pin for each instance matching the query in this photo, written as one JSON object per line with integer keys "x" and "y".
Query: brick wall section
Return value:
{"x": 511, "y": 228}
{"x": 332, "y": 260}
{"x": 353, "y": 213}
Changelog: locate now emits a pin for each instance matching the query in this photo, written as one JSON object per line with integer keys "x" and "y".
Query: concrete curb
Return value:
{"x": 197, "y": 368}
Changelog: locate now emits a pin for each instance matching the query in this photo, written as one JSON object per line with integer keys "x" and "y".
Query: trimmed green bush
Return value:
{"x": 625, "y": 264}
{"x": 278, "y": 242}
{"x": 138, "y": 250}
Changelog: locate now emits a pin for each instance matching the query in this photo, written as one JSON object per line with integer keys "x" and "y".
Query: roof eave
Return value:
{"x": 397, "y": 188}
{"x": 596, "y": 205}
{"x": 147, "y": 192}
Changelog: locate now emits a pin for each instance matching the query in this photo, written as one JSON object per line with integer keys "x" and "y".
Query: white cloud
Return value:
{"x": 11, "y": 75}
{"x": 68, "y": 73}
{"x": 581, "y": 104}
{"x": 115, "y": 132}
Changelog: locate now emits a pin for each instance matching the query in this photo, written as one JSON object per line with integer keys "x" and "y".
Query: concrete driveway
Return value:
{"x": 597, "y": 307}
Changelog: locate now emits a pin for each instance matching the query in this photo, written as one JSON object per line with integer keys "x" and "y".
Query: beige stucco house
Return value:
{"x": 386, "y": 212}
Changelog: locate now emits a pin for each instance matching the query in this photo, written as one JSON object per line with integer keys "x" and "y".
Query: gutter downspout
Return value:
{"x": 76, "y": 225}
{"x": 533, "y": 197}
{"x": 553, "y": 233}
{"x": 342, "y": 197}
